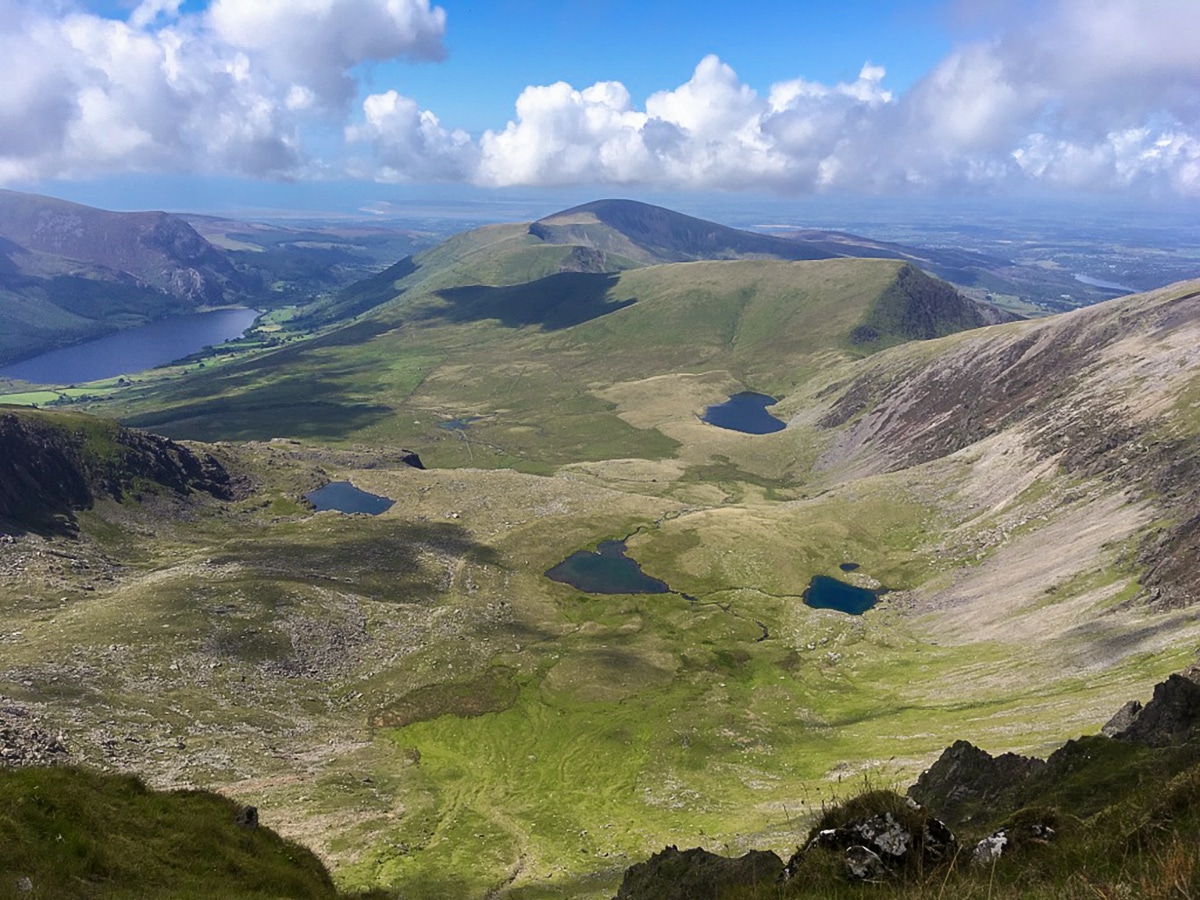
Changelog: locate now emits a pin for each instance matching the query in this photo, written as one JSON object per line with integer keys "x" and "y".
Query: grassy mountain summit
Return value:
{"x": 652, "y": 234}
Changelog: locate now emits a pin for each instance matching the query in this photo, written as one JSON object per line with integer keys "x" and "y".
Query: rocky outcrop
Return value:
{"x": 1004, "y": 840}
{"x": 1171, "y": 715}
{"x": 247, "y": 817}
{"x": 697, "y": 874}
{"x": 967, "y": 782}
{"x": 879, "y": 835}
{"x": 1122, "y": 719}
{"x": 53, "y": 464}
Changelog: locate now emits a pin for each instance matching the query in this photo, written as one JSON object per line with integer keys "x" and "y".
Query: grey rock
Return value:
{"x": 1172, "y": 713}
{"x": 863, "y": 864}
{"x": 1122, "y": 719}
{"x": 884, "y": 835}
{"x": 697, "y": 874}
{"x": 965, "y": 779}
{"x": 937, "y": 840}
{"x": 247, "y": 817}
{"x": 991, "y": 848}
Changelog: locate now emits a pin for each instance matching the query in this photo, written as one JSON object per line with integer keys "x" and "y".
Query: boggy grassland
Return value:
{"x": 409, "y": 695}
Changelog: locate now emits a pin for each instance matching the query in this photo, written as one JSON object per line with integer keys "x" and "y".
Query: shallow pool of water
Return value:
{"x": 457, "y": 424}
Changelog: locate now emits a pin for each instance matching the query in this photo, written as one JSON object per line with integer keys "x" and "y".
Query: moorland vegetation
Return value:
{"x": 409, "y": 696}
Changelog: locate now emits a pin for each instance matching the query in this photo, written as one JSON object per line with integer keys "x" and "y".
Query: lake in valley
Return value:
{"x": 133, "y": 350}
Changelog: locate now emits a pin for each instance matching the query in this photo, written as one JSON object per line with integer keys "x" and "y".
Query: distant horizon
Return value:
{"x": 384, "y": 204}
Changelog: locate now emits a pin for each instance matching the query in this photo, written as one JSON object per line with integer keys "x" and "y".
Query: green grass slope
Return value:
{"x": 532, "y": 361}
{"x": 75, "y": 833}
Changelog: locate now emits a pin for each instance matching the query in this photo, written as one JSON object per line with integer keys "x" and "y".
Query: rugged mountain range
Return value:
{"x": 157, "y": 249}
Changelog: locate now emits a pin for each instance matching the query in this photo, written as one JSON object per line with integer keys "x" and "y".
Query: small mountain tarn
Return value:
{"x": 824, "y": 592}
{"x": 745, "y": 412}
{"x": 606, "y": 570}
{"x": 344, "y": 497}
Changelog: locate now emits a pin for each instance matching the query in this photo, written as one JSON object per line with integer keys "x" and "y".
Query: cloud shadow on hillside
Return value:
{"x": 394, "y": 560}
{"x": 555, "y": 302}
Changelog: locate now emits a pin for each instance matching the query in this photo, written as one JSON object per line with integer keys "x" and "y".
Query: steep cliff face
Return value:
{"x": 53, "y": 464}
{"x": 155, "y": 249}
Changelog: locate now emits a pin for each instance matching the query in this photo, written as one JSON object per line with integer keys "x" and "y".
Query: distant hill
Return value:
{"x": 607, "y": 237}
{"x": 652, "y": 234}
{"x": 69, "y": 272}
{"x": 300, "y": 260}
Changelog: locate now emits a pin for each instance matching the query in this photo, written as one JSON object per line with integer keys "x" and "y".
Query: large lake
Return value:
{"x": 1101, "y": 283}
{"x": 133, "y": 350}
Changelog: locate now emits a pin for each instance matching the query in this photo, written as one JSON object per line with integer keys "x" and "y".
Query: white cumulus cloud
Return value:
{"x": 410, "y": 143}
{"x": 230, "y": 89}
{"x": 1090, "y": 94}
{"x": 315, "y": 43}
{"x": 1080, "y": 94}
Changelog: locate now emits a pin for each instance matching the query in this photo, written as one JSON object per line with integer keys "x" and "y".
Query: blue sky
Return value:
{"x": 344, "y": 104}
{"x": 498, "y": 48}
